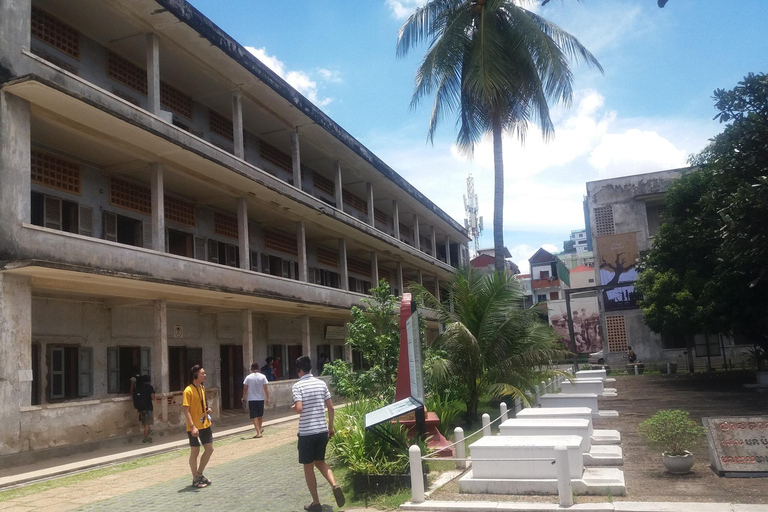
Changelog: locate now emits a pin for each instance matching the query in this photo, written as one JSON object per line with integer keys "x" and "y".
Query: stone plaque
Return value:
{"x": 738, "y": 446}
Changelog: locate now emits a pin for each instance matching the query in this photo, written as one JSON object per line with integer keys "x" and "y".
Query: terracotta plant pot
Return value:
{"x": 678, "y": 464}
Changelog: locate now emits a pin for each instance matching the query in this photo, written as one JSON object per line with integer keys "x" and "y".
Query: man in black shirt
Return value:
{"x": 143, "y": 401}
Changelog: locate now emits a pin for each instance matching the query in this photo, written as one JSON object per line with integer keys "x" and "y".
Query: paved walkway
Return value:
{"x": 248, "y": 475}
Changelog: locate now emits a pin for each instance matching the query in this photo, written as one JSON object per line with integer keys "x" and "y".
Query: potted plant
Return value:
{"x": 757, "y": 357}
{"x": 674, "y": 432}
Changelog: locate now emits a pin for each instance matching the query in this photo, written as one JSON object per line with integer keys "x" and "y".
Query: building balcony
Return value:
{"x": 549, "y": 282}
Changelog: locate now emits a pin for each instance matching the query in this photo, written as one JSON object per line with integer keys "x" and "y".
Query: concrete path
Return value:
{"x": 619, "y": 506}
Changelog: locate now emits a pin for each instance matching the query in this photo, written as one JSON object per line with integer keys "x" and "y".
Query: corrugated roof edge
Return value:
{"x": 188, "y": 14}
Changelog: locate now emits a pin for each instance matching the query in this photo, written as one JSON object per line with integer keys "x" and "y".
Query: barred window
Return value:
{"x": 175, "y": 100}
{"x": 617, "y": 333}
{"x": 327, "y": 257}
{"x": 384, "y": 273}
{"x": 355, "y": 202}
{"x": 179, "y": 210}
{"x": 359, "y": 267}
{"x": 281, "y": 242}
{"x": 426, "y": 244}
{"x": 323, "y": 184}
{"x": 131, "y": 196}
{"x": 127, "y": 73}
{"x": 225, "y": 225}
{"x": 276, "y": 157}
{"x": 604, "y": 220}
{"x": 381, "y": 217}
{"x": 220, "y": 125}
{"x": 55, "y": 33}
{"x": 405, "y": 231}
{"x": 55, "y": 172}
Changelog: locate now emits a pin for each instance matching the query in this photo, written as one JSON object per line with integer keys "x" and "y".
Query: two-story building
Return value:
{"x": 549, "y": 276}
{"x": 168, "y": 200}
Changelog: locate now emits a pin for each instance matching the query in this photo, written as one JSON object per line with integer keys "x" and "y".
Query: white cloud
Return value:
{"x": 300, "y": 80}
{"x": 401, "y": 9}
{"x": 633, "y": 152}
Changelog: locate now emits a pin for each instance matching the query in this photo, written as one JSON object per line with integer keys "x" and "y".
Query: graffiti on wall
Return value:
{"x": 617, "y": 256}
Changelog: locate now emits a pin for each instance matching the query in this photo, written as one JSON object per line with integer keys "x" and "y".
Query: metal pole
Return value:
{"x": 564, "y": 490}
{"x": 461, "y": 452}
{"x": 417, "y": 474}
{"x": 571, "y": 332}
{"x": 486, "y": 425}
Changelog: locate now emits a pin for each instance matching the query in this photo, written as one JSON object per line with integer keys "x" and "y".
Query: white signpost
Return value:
{"x": 414, "y": 357}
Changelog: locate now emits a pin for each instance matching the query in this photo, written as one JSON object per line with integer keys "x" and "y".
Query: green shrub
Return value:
{"x": 447, "y": 410}
{"x": 672, "y": 431}
{"x": 364, "y": 452}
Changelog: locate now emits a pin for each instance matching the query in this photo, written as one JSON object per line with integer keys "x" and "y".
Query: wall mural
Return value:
{"x": 617, "y": 256}
{"x": 586, "y": 323}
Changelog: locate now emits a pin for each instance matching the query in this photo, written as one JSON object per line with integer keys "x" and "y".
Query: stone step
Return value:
{"x": 605, "y": 437}
{"x": 593, "y": 481}
{"x": 583, "y": 413}
{"x": 603, "y": 455}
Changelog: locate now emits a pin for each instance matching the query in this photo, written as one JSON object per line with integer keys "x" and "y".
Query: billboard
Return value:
{"x": 617, "y": 256}
{"x": 586, "y": 323}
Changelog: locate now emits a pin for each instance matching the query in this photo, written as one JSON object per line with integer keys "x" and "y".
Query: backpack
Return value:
{"x": 142, "y": 399}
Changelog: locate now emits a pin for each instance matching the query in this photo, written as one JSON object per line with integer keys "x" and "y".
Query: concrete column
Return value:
{"x": 400, "y": 277}
{"x": 157, "y": 192}
{"x": 369, "y": 198}
{"x": 260, "y": 337}
{"x": 448, "y": 249}
{"x": 296, "y": 158}
{"x": 338, "y": 185}
{"x": 306, "y": 344}
{"x": 248, "y": 354}
{"x": 301, "y": 239}
{"x": 437, "y": 288}
{"x": 348, "y": 354}
{"x": 14, "y": 27}
{"x": 396, "y": 219}
{"x": 237, "y": 123}
{"x": 15, "y": 358}
{"x": 153, "y": 73}
{"x": 416, "y": 236}
{"x": 419, "y": 277}
{"x": 15, "y": 162}
{"x": 243, "y": 242}
{"x": 374, "y": 269}
{"x": 343, "y": 272}
{"x": 434, "y": 241}
{"x": 160, "y": 353}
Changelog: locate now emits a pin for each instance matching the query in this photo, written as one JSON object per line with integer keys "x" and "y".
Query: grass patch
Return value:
{"x": 384, "y": 501}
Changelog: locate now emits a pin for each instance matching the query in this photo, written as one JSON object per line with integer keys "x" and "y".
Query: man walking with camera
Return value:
{"x": 309, "y": 397}
{"x": 198, "y": 416}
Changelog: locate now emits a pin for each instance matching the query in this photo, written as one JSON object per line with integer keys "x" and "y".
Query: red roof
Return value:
{"x": 582, "y": 268}
{"x": 483, "y": 261}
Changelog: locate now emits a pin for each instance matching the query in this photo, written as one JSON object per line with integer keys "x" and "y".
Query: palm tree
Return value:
{"x": 492, "y": 344}
{"x": 497, "y": 64}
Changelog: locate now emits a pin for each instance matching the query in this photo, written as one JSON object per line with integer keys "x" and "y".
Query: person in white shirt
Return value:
{"x": 309, "y": 397}
{"x": 256, "y": 393}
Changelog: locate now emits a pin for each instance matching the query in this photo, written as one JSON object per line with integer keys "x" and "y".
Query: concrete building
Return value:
{"x": 549, "y": 277}
{"x": 626, "y": 213}
{"x": 582, "y": 276}
{"x": 525, "y": 281}
{"x": 577, "y": 259}
{"x": 486, "y": 259}
{"x": 165, "y": 200}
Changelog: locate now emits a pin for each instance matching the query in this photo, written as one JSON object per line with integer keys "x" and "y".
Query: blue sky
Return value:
{"x": 649, "y": 111}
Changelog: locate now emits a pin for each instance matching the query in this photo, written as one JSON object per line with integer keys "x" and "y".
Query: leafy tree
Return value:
{"x": 708, "y": 269}
{"x": 498, "y": 65}
{"x": 491, "y": 344}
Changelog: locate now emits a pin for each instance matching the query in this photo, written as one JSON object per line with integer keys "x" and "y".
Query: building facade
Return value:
{"x": 625, "y": 215}
{"x": 166, "y": 200}
{"x": 549, "y": 277}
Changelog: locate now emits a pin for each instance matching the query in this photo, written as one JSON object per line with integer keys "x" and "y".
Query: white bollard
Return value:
{"x": 543, "y": 388}
{"x": 417, "y": 474}
{"x": 564, "y": 489}
{"x": 461, "y": 451}
{"x": 536, "y": 395}
{"x": 637, "y": 372}
{"x": 504, "y": 411}
{"x": 486, "y": 425}
{"x": 669, "y": 368}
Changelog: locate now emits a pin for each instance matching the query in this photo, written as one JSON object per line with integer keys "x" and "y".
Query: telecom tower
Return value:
{"x": 472, "y": 222}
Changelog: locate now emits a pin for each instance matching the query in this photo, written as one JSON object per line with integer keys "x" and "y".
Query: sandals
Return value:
{"x": 199, "y": 484}
{"x": 339, "y": 495}
{"x": 204, "y": 480}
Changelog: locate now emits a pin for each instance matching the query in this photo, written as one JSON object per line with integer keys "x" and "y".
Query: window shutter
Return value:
{"x": 146, "y": 361}
{"x": 265, "y": 263}
{"x": 113, "y": 370}
{"x": 109, "y": 227}
{"x": 200, "y": 248}
{"x": 57, "y": 373}
{"x": 52, "y": 212}
{"x": 85, "y": 220}
{"x": 85, "y": 371}
{"x": 213, "y": 251}
{"x": 286, "y": 269}
{"x": 254, "y": 261}
{"x": 166, "y": 240}
{"x": 231, "y": 251}
{"x": 146, "y": 232}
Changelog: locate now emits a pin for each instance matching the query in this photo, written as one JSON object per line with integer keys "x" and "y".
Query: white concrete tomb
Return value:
{"x": 598, "y": 436}
{"x": 576, "y": 400}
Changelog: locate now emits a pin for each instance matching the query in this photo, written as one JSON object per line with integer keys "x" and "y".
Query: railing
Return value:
{"x": 561, "y": 459}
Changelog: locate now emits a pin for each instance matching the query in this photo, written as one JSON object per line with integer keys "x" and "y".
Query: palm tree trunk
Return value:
{"x": 498, "y": 193}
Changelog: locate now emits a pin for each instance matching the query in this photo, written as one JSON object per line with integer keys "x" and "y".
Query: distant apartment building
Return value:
{"x": 577, "y": 250}
{"x": 525, "y": 282}
{"x": 486, "y": 259}
{"x": 549, "y": 277}
{"x": 582, "y": 277}
{"x": 167, "y": 200}
{"x": 625, "y": 214}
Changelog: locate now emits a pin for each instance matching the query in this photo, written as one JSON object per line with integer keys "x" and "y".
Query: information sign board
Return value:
{"x": 738, "y": 446}
{"x": 414, "y": 357}
{"x": 390, "y": 412}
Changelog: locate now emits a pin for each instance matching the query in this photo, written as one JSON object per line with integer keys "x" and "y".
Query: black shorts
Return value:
{"x": 312, "y": 447}
{"x": 256, "y": 407}
{"x": 204, "y": 436}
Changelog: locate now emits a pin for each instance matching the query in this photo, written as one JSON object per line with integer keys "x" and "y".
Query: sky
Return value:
{"x": 650, "y": 110}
